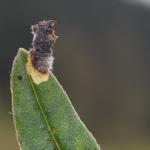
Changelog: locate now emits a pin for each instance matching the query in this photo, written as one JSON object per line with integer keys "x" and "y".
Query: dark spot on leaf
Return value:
{"x": 19, "y": 77}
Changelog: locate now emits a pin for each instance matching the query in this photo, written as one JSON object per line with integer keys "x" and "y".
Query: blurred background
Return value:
{"x": 102, "y": 59}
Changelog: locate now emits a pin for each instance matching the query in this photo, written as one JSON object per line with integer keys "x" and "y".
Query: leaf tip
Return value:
{"x": 22, "y": 50}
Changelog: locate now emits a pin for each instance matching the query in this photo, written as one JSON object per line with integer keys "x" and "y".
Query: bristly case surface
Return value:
{"x": 43, "y": 41}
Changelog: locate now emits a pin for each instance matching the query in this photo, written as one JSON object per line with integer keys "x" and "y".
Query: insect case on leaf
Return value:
{"x": 43, "y": 41}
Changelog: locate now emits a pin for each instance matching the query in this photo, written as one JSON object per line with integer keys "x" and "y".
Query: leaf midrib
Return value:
{"x": 41, "y": 109}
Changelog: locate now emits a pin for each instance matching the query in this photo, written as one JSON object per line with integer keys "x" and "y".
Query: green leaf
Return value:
{"x": 43, "y": 115}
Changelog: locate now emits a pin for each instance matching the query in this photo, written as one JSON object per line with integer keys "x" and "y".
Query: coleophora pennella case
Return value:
{"x": 44, "y": 38}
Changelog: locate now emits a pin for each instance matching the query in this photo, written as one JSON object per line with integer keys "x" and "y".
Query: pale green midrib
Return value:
{"x": 42, "y": 111}
{"x": 43, "y": 114}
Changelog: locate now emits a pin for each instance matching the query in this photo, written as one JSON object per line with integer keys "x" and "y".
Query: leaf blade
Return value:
{"x": 45, "y": 119}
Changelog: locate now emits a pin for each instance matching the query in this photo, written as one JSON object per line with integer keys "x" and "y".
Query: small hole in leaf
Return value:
{"x": 19, "y": 77}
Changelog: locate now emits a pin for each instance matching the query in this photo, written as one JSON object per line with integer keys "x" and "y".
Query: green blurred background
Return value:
{"x": 102, "y": 59}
